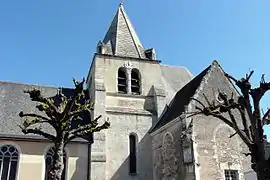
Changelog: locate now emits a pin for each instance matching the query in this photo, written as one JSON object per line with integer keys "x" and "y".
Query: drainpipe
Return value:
{"x": 89, "y": 157}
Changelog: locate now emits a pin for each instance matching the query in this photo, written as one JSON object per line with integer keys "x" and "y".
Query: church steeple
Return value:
{"x": 121, "y": 38}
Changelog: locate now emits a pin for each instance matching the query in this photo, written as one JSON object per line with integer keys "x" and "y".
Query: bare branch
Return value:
{"x": 38, "y": 132}
{"x": 230, "y": 77}
{"x": 21, "y": 114}
{"x": 37, "y": 119}
{"x": 249, "y": 76}
{"x": 193, "y": 113}
{"x": 35, "y": 95}
{"x": 208, "y": 102}
{"x": 244, "y": 122}
{"x": 71, "y": 102}
{"x": 90, "y": 125}
{"x": 216, "y": 111}
{"x": 265, "y": 118}
{"x": 89, "y": 128}
{"x": 87, "y": 107}
{"x": 198, "y": 102}
{"x": 232, "y": 135}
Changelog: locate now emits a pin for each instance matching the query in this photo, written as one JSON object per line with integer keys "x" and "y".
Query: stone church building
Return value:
{"x": 147, "y": 104}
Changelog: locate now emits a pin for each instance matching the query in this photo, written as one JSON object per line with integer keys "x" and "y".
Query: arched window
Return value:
{"x": 132, "y": 154}
{"x": 49, "y": 161}
{"x": 9, "y": 157}
{"x": 135, "y": 81}
{"x": 122, "y": 80}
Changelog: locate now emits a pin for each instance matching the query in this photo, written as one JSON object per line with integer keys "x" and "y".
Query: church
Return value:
{"x": 146, "y": 103}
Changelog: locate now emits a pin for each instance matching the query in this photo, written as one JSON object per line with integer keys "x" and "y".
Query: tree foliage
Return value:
{"x": 61, "y": 113}
{"x": 250, "y": 125}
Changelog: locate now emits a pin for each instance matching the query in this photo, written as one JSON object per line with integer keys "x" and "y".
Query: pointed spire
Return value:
{"x": 121, "y": 38}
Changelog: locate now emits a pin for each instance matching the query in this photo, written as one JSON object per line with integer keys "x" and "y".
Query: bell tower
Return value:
{"x": 121, "y": 80}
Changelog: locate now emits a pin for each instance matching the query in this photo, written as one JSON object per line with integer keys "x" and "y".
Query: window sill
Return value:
{"x": 120, "y": 94}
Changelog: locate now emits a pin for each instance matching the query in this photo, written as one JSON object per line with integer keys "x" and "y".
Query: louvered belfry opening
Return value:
{"x": 122, "y": 80}
{"x": 135, "y": 81}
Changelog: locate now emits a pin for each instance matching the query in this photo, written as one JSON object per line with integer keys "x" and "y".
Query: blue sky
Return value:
{"x": 49, "y": 42}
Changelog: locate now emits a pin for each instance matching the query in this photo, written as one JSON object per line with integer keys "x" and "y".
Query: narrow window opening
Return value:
{"x": 122, "y": 81}
{"x": 9, "y": 157}
{"x": 132, "y": 155}
{"x": 135, "y": 81}
{"x": 231, "y": 174}
{"x": 49, "y": 162}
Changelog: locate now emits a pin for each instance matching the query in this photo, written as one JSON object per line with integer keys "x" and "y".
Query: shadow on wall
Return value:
{"x": 80, "y": 171}
{"x": 144, "y": 156}
{"x": 143, "y": 151}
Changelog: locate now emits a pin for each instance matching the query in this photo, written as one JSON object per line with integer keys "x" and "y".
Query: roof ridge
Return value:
{"x": 131, "y": 33}
{"x": 177, "y": 66}
{"x": 121, "y": 35}
{"x": 28, "y": 84}
{"x": 181, "y": 99}
{"x": 209, "y": 68}
{"x": 215, "y": 62}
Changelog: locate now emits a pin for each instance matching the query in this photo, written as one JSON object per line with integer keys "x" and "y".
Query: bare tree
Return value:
{"x": 250, "y": 126}
{"x": 61, "y": 113}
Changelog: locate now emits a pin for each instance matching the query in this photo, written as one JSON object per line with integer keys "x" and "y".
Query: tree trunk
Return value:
{"x": 263, "y": 170}
{"x": 58, "y": 165}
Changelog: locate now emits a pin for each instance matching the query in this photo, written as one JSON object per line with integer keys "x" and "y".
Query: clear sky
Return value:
{"x": 49, "y": 42}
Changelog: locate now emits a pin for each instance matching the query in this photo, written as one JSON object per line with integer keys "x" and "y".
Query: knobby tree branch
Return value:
{"x": 64, "y": 114}
{"x": 38, "y": 131}
{"x": 241, "y": 113}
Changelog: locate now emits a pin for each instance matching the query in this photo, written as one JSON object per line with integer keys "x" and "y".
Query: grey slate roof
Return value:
{"x": 13, "y": 100}
{"x": 180, "y": 100}
{"x": 175, "y": 76}
{"x": 121, "y": 38}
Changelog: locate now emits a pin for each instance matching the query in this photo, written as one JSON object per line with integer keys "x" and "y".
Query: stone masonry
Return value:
{"x": 157, "y": 115}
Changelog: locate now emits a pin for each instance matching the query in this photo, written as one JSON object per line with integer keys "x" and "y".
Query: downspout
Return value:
{"x": 89, "y": 157}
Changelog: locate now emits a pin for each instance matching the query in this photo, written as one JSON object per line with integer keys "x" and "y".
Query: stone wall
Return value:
{"x": 117, "y": 167}
{"x": 168, "y": 153}
{"x": 214, "y": 151}
{"x": 32, "y": 159}
{"x": 128, "y": 113}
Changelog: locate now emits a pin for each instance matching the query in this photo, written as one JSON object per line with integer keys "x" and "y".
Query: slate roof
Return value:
{"x": 180, "y": 100}
{"x": 13, "y": 100}
{"x": 121, "y": 38}
{"x": 175, "y": 76}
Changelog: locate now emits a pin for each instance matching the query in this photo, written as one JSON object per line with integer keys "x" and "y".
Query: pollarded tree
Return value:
{"x": 250, "y": 126}
{"x": 61, "y": 113}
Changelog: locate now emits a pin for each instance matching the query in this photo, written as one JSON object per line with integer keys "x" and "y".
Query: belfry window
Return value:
{"x": 135, "y": 81}
{"x": 122, "y": 80}
{"x": 132, "y": 154}
{"x": 9, "y": 157}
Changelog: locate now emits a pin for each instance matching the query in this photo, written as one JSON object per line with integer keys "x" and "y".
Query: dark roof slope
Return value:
{"x": 13, "y": 100}
{"x": 180, "y": 100}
